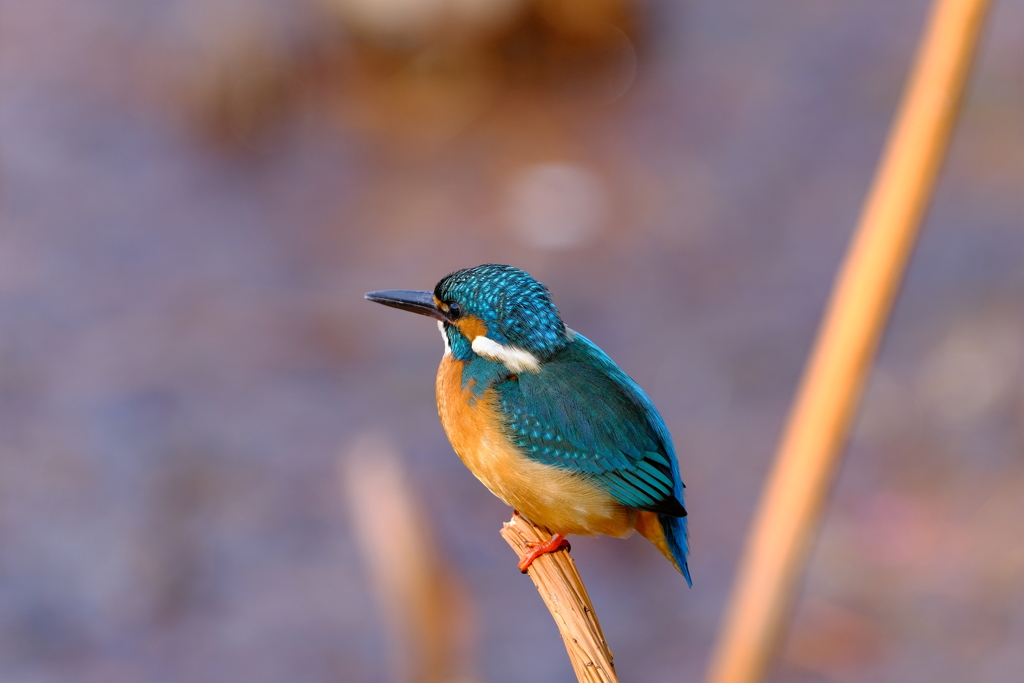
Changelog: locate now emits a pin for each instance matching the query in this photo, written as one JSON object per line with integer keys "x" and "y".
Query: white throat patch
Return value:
{"x": 444, "y": 335}
{"x": 516, "y": 360}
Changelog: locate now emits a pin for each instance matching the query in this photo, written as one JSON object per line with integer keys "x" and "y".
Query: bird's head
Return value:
{"x": 497, "y": 312}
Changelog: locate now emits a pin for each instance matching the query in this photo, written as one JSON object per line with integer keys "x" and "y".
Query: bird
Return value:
{"x": 544, "y": 418}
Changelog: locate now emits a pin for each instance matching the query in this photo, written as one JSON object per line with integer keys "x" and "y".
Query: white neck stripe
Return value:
{"x": 516, "y": 360}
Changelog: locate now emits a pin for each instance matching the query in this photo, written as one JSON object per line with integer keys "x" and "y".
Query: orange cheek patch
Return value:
{"x": 471, "y": 327}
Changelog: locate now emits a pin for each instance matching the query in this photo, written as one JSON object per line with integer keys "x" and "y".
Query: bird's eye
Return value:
{"x": 454, "y": 311}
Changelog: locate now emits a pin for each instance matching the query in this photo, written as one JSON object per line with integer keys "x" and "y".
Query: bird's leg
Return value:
{"x": 538, "y": 548}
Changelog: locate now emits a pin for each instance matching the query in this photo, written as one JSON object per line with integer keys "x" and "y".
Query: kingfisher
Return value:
{"x": 544, "y": 418}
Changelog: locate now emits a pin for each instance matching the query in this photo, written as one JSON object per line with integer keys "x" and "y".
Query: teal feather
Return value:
{"x": 613, "y": 433}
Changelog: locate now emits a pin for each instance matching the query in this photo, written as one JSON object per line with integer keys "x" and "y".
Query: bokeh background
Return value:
{"x": 194, "y": 196}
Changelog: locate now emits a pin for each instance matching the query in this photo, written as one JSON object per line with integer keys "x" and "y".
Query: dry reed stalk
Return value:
{"x": 792, "y": 503}
{"x": 561, "y": 588}
{"x": 425, "y": 608}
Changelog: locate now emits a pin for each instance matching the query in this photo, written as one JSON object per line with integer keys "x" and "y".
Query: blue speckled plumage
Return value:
{"x": 572, "y": 410}
{"x": 583, "y": 413}
{"x": 516, "y": 308}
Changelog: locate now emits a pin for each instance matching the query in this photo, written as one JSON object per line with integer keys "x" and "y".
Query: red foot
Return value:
{"x": 556, "y": 542}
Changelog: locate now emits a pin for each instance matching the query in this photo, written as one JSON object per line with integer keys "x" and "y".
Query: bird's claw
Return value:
{"x": 538, "y": 548}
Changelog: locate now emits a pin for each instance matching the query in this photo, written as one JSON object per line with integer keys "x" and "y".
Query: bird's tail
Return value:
{"x": 678, "y": 542}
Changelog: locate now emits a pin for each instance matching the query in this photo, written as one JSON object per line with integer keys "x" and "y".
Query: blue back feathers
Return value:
{"x": 583, "y": 413}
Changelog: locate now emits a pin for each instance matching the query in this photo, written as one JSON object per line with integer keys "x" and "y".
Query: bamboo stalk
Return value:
{"x": 819, "y": 423}
{"x": 561, "y": 588}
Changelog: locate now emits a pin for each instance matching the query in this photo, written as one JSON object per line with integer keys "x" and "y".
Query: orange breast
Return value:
{"x": 564, "y": 502}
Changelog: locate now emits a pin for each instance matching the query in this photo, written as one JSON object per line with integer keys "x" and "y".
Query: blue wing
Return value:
{"x": 582, "y": 413}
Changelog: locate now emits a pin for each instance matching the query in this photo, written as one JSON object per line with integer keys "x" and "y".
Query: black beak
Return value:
{"x": 409, "y": 300}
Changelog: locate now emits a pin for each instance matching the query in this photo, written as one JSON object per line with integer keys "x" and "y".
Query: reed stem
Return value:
{"x": 810, "y": 450}
{"x": 561, "y": 588}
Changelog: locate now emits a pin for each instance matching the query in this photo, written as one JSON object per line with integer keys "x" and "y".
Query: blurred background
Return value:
{"x": 211, "y": 446}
